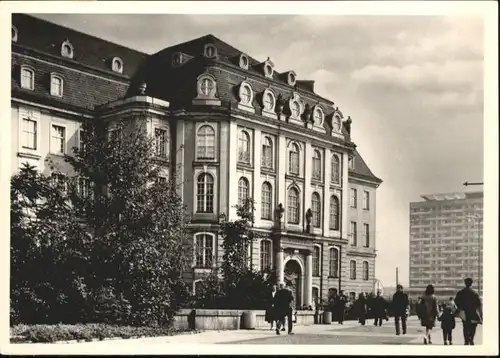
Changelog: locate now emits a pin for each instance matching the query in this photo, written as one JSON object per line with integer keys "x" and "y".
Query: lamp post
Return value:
{"x": 477, "y": 219}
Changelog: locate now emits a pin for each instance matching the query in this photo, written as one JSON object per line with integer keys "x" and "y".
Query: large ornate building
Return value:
{"x": 227, "y": 127}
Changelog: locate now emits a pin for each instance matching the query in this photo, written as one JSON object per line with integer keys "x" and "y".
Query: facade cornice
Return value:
{"x": 63, "y": 109}
{"x": 352, "y": 252}
{"x": 364, "y": 180}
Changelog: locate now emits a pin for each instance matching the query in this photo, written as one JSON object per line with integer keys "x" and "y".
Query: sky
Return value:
{"x": 413, "y": 86}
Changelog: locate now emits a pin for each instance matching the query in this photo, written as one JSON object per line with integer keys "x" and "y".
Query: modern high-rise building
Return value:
{"x": 226, "y": 127}
{"x": 446, "y": 240}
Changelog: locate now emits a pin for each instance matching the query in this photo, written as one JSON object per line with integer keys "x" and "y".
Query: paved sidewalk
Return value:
{"x": 351, "y": 333}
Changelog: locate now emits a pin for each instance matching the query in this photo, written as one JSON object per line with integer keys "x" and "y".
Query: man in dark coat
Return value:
{"x": 340, "y": 307}
{"x": 400, "y": 306}
{"x": 282, "y": 308}
{"x": 468, "y": 301}
{"x": 378, "y": 307}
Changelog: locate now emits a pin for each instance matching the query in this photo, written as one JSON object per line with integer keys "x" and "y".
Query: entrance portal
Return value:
{"x": 293, "y": 280}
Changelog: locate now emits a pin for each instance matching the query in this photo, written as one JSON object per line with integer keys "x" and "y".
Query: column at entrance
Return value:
{"x": 280, "y": 267}
{"x": 308, "y": 280}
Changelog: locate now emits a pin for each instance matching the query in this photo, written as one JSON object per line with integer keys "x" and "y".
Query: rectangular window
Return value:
{"x": 82, "y": 140}
{"x": 27, "y": 79}
{"x": 366, "y": 235}
{"x": 316, "y": 261}
{"x": 161, "y": 143}
{"x": 354, "y": 198}
{"x": 354, "y": 233}
{"x": 366, "y": 200}
{"x": 58, "y": 139}
{"x": 204, "y": 251}
{"x": 56, "y": 88}
{"x": 265, "y": 255}
{"x": 162, "y": 180}
{"x": 29, "y": 136}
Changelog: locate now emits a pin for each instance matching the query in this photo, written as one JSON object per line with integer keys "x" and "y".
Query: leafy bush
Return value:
{"x": 87, "y": 332}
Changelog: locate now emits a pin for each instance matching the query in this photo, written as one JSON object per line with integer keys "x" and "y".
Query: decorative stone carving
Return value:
{"x": 309, "y": 216}
{"x": 347, "y": 124}
{"x": 142, "y": 88}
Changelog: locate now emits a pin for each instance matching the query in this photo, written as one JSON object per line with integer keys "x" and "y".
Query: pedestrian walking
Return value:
{"x": 447, "y": 319}
{"x": 332, "y": 303}
{"x": 270, "y": 316}
{"x": 429, "y": 312}
{"x": 379, "y": 306}
{"x": 400, "y": 308}
{"x": 283, "y": 309}
{"x": 452, "y": 305}
{"x": 361, "y": 308}
{"x": 341, "y": 307}
{"x": 470, "y": 311}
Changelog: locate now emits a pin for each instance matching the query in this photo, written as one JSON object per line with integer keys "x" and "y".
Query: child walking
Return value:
{"x": 447, "y": 319}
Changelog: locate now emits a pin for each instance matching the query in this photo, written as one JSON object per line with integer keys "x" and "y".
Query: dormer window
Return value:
{"x": 56, "y": 85}
{"x": 27, "y": 78}
{"x": 210, "y": 51}
{"x": 336, "y": 124}
{"x": 117, "y": 65}
{"x": 67, "y": 49}
{"x": 244, "y": 61}
{"x": 246, "y": 94}
{"x": 318, "y": 116}
{"x": 177, "y": 59}
{"x": 206, "y": 86}
{"x": 268, "y": 68}
{"x": 268, "y": 101}
{"x": 14, "y": 33}
{"x": 291, "y": 78}
{"x": 295, "y": 109}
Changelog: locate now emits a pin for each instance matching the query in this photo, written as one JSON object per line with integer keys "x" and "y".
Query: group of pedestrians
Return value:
{"x": 466, "y": 305}
{"x": 279, "y": 308}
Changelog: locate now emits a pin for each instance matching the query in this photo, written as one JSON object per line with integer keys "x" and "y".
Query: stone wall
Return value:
{"x": 207, "y": 320}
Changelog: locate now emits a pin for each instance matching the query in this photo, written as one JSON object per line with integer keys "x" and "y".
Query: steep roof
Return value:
{"x": 362, "y": 170}
{"x": 48, "y": 37}
{"x": 228, "y": 54}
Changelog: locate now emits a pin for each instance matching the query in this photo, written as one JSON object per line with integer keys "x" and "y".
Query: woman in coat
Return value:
{"x": 270, "y": 311}
{"x": 429, "y": 312}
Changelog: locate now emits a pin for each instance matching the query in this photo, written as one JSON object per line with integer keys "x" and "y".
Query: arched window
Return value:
{"x": 334, "y": 262}
{"x": 366, "y": 271}
{"x": 352, "y": 270}
{"x": 207, "y": 87}
{"x": 335, "y": 169}
{"x": 318, "y": 116}
{"x": 316, "y": 174}
{"x": 267, "y": 153}
{"x": 204, "y": 250}
{"x": 244, "y": 147}
{"x": 27, "y": 78}
{"x": 205, "y": 142}
{"x": 67, "y": 49}
{"x": 334, "y": 213}
{"x": 266, "y": 200}
{"x": 316, "y": 210}
{"x": 293, "y": 159}
{"x": 316, "y": 260}
{"x": 205, "y": 194}
{"x": 266, "y": 255}
{"x": 295, "y": 109}
{"x": 56, "y": 85}
{"x": 293, "y": 206}
{"x": 243, "y": 190}
{"x": 117, "y": 65}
